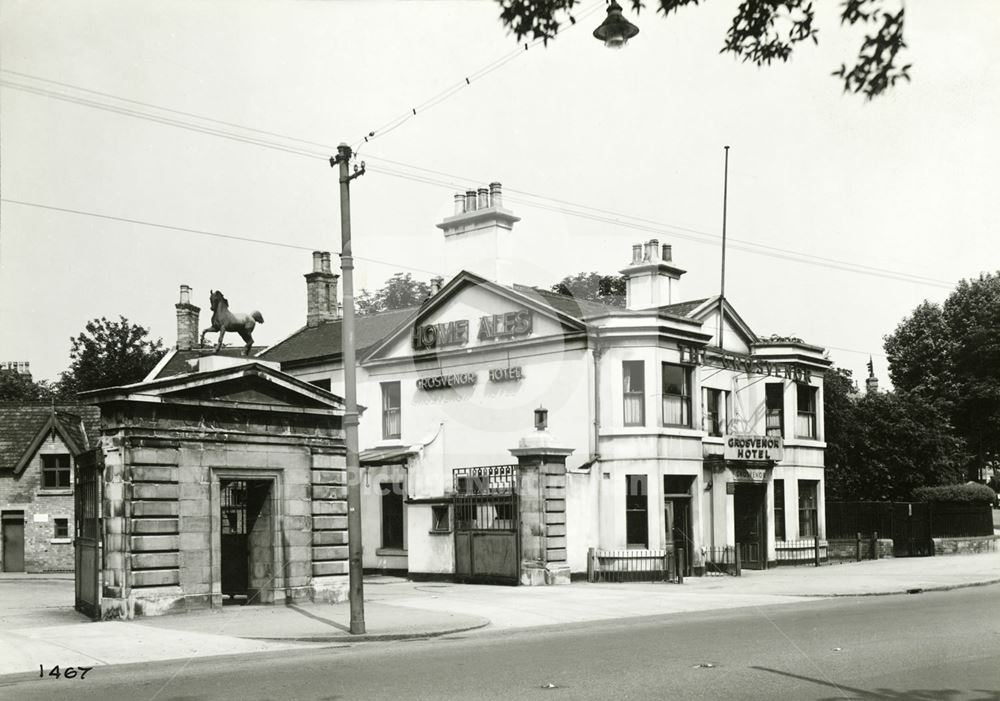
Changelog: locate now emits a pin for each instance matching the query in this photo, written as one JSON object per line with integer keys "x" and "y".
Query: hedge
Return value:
{"x": 965, "y": 493}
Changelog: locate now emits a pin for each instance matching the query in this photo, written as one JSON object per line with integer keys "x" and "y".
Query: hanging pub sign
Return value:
{"x": 491, "y": 327}
{"x": 745, "y": 446}
{"x": 728, "y": 360}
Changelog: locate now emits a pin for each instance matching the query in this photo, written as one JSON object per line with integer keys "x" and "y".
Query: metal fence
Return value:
{"x": 636, "y": 565}
{"x": 722, "y": 561}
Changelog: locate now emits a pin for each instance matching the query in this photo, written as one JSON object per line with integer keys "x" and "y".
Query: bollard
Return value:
{"x": 816, "y": 551}
{"x": 680, "y": 565}
{"x": 739, "y": 569}
{"x": 875, "y": 548}
{"x": 857, "y": 546}
{"x": 591, "y": 569}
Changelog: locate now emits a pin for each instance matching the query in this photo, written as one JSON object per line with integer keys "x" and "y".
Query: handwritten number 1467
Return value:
{"x": 66, "y": 672}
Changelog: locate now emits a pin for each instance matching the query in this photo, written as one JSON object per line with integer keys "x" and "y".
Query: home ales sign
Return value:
{"x": 491, "y": 327}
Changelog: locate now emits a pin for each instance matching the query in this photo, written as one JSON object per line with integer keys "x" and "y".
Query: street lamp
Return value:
{"x": 615, "y": 30}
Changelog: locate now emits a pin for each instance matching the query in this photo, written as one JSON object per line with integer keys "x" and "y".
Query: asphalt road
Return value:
{"x": 932, "y": 646}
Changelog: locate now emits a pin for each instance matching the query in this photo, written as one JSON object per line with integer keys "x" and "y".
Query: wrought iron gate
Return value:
{"x": 87, "y": 496}
{"x": 235, "y": 559}
{"x": 487, "y": 521}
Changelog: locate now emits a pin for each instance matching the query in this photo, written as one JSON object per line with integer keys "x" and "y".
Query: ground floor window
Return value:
{"x": 439, "y": 519}
{"x": 779, "y": 509}
{"x": 636, "y": 511}
{"x": 807, "y": 508}
{"x": 61, "y": 528}
{"x": 392, "y": 515}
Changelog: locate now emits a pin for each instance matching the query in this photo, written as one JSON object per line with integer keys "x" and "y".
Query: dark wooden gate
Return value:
{"x": 87, "y": 495}
{"x": 487, "y": 547}
{"x": 911, "y": 530}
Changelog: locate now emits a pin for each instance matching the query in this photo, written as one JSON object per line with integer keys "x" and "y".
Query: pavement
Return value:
{"x": 38, "y": 625}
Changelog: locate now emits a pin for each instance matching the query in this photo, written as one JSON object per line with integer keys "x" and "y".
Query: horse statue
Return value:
{"x": 224, "y": 320}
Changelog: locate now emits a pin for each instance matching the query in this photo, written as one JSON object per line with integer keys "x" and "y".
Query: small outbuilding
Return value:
{"x": 225, "y": 485}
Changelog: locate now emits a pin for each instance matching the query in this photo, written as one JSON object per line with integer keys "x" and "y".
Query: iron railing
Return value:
{"x": 722, "y": 560}
{"x": 635, "y": 565}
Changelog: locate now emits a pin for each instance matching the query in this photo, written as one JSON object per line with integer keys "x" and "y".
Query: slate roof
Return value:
{"x": 324, "y": 340}
{"x": 184, "y": 361}
{"x": 20, "y": 423}
{"x": 683, "y": 308}
{"x": 576, "y": 308}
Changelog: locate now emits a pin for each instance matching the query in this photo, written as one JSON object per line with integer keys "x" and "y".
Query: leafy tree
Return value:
{"x": 399, "y": 292}
{"x": 15, "y": 387}
{"x": 108, "y": 354}
{"x": 761, "y": 31}
{"x": 901, "y": 442}
{"x": 840, "y": 421}
{"x": 594, "y": 287}
{"x": 950, "y": 354}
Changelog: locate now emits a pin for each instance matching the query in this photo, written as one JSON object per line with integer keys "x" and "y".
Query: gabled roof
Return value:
{"x": 25, "y": 425}
{"x": 684, "y": 308}
{"x": 527, "y": 296}
{"x": 323, "y": 341}
{"x": 251, "y": 385}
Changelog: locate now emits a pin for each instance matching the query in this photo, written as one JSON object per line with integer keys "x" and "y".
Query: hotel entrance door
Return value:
{"x": 749, "y": 526}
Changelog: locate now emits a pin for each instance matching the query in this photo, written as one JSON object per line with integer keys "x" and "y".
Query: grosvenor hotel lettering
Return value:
{"x": 734, "y": 361}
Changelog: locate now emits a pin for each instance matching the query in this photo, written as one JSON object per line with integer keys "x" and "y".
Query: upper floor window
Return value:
{"x": 805, "y": 422}
{"x": 634, "y": 392}
{"x": 714, "y": 411}
{"x": 391, "y": 423}
{"x": 56, "y": 473}
{"x": 676, "y": 395}
{"x": 774, "y": 402}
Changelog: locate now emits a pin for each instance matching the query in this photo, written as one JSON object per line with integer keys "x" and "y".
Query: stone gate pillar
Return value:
{"x": 542, "y": 505}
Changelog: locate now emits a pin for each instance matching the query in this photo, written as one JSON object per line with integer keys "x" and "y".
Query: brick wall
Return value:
{"x": 43, "y": 552}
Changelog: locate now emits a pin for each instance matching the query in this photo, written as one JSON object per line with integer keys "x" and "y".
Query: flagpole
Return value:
{"x": 722, "y": 286}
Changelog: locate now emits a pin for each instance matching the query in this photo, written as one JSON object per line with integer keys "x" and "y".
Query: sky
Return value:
{"x": 218, "y": 117}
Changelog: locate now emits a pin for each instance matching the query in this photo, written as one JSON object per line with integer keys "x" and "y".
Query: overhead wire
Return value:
{"x": 571, "y": 208}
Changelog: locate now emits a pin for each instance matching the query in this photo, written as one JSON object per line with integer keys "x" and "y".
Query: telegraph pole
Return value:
{"x": 722, "y": 286}
{"x": 356, "y": 594}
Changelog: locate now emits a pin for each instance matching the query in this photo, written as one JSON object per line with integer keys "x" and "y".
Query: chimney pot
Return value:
{"x": 484, "y": 198}
{"x": 667, "y": 252}
{"x": 470, "y": 200}
{"x": 185, "y": 294}
{"x": 436, "y": 283}
{"x": 654, "y": 250}
{"x": 636, "y": 253}
{"x": 187, "y": 320}
{"x": 317, "y": 261}
{"x": 459, "y": 203}
{"x": 325, "y": 259}
{"x": 496, "y": 198}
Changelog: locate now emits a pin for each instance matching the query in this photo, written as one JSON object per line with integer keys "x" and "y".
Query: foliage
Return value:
{"x": 594, "y": 287}
{"x": 15, "y": 387}
{"x": 969, "y": 492}
{"x": 899, "y": 441}
{"x": 777, "y": 338}
{"x": 108, "y": 354}
{"x": 761, "y": 32}
{"x": 399, "y": 292}
{"x": 950, "y": 354}
{"x": 840, "y": 393}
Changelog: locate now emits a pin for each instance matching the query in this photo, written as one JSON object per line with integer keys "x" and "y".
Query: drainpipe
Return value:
{"x": 597, "y": 353}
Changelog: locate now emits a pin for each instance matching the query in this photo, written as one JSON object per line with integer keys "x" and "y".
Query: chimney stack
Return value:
{"x": 651, "y": 280}
{"x": 187, "y": 320}
{"x": 321, "y": 291}
{"x": 477, "y": 236}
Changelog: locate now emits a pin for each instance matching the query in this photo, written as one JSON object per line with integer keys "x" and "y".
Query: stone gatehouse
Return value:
{"x": 217, "y": 486}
